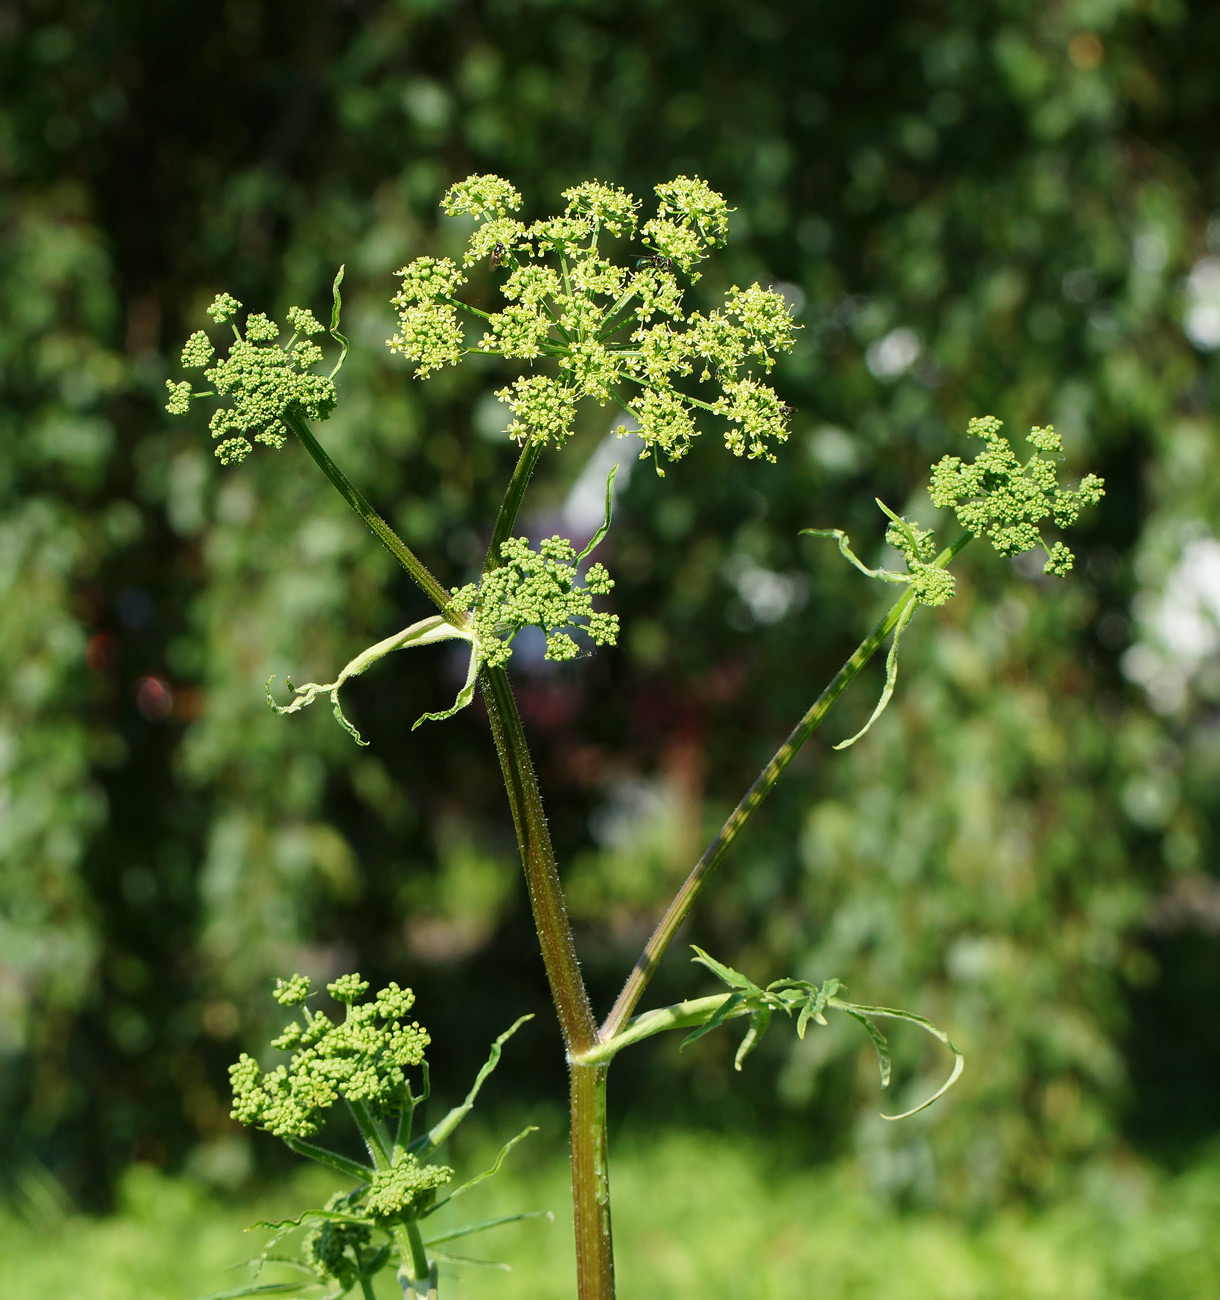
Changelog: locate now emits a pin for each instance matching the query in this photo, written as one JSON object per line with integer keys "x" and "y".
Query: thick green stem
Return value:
{"x": 693, "y": 885}
{"x": 416, "y": 1258}
{"x": 511, "y": 505}
{"x": 591, "y": 1182}
{"x": 380, "y": 529}
{"x": 590, "y": 1185}
{"x": 538, "y": 858}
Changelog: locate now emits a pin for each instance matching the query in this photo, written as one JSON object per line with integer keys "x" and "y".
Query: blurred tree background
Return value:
{"x": 978, "y": 206}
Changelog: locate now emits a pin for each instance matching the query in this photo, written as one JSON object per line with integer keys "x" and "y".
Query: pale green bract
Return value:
{"x": 616, "y": 333}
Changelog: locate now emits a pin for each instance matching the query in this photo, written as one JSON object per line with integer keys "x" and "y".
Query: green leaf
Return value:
{"x": 733, "y": 978}
{"x": 265, "y": 1288}
{"x": 483, "y": 1224}
{"x": 464, "y": 697}
{"x": 879, "y": 1042}
{"x": 487, "y": 1173}
{"x": 336, "y": 305}
{"x": 891, "y": 678}
{"x": 841, "y": 537}
{"x": 596, "y": 539}
{"x": 760, "y": 1022}
{"x": 283, "y": 1226}
{"x": 439, "y": 1132}
{"x": 865, "y": 1015}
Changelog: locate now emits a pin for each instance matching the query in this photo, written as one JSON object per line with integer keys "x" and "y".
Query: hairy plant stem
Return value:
{"x": 590, "y": 1185}
{"x": 378, "y": 526}
{"x": 511, "y": 505}
{"x": 587, "y": 1084}
{"x": 590, "y": 1188}
{"x": 693, "y": 885}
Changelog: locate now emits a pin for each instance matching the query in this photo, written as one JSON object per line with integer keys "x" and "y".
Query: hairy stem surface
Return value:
{"x": 590, "y": 1185}
{"x": 378, "y": 526}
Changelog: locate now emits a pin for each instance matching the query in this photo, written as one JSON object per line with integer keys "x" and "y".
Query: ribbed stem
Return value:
{"x": 591, "y": 1183}
{"x": 691, "y": 888}
{"x": 378, "y": 526}
{"x": 538, "y": 857}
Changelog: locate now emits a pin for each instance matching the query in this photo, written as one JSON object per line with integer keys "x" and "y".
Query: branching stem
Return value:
{"x": 684, "y": 899}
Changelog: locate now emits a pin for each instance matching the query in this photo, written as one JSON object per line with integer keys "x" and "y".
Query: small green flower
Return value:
{"x": 405, "y": 1189}
{"x": 224, "y": 307}
{"x": 179, "y": 397}
{"x": 292, "y": 992}
{"x": 332, "y": 1248}
{"x": 198, "y": 351}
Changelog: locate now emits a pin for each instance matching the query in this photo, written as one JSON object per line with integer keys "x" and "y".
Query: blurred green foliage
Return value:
{"x": 988, "y": 207}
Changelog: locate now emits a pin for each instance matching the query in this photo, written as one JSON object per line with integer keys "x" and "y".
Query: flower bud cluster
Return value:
{"x": 616, "y": 333}
{"x": 932, "y": 584}
{"x": 998, "y": 497}
{"x": 360, "y": 1058}
{"x": 262, "y": 379}
{"x": 537, "y": 588}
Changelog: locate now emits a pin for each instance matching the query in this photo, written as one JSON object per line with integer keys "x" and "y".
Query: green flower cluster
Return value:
{"x": 931, "y": 583}
{"x": 998, "y": 497}
{"x": 537, "y": 588}
{"x": 404, "y": 1189}
{"x": 262, "y": 379}
{"x": 616, "y": 333}
{"x": 335, "y": 1248}
{"x": 360, "y": 1059}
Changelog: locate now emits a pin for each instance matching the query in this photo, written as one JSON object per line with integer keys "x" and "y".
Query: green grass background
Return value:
{"x": 696, "y": 1215}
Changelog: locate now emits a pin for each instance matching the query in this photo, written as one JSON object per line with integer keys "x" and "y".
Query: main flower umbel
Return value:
{"x": 615, "y": 333}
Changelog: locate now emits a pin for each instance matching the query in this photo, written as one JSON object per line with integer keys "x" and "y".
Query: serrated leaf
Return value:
{"x": 733, "y": 978}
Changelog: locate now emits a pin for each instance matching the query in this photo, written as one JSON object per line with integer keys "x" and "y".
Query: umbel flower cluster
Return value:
{"x": 361, "y": 1059}
{"x": 613, "y": 333}
{"x": 262, "y": 379}
{"x": 537, "y": 588}
{"x": 998, "y": 497}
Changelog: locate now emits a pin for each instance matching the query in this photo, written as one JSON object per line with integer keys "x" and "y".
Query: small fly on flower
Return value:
{"x": 656, "y": 262}
{"x": 497, "y": 256}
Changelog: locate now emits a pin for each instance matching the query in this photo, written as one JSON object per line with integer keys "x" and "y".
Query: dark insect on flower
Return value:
{"x": 656, "y": 262}
{"x": 497, "y": 255}
{"x": 785, "y": 410}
